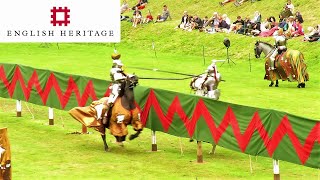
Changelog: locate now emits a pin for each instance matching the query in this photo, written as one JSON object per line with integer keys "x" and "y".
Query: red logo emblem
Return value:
{"x": 60, "y": 11}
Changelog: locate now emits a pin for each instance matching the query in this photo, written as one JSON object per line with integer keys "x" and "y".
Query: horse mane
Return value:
{"x": 122, "y": 88}
{"x": 266, "y": 43}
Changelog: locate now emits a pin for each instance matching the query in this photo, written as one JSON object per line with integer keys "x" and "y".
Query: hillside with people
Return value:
{"x": 170, "y": 38}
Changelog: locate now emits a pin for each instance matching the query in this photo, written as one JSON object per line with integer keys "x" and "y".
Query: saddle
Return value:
{"x": 280, "y": 56}
{"x": 283, "y": 67}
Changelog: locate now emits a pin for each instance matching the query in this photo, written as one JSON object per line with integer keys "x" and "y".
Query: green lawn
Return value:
{"x": 40, "y": 151}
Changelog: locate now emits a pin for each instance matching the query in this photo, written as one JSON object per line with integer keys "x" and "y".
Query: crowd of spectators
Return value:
{"x": 137, "y": 16}
{"x": 289, "y": 20}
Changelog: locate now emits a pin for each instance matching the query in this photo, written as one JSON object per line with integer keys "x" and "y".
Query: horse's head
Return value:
{"x": 257, "y": 49}
{"x": 132, "y": 81}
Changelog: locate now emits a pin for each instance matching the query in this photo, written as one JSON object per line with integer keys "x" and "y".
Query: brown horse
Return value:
{"x": 288, "y": 66}
{"x": 124, "y": 112}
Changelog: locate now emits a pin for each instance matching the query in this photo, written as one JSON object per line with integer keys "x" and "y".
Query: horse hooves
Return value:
{"x": 270, "y": 85}
{"x": 276, "y": 85}
{"x": 106, "y": 149}
{"x": 191, "y": 140}
{"x": 132, "y": 137}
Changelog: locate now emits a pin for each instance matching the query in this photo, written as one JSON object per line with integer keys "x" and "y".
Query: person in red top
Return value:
{"x": 298, "y": 29}
{"x": 148, "y": 18}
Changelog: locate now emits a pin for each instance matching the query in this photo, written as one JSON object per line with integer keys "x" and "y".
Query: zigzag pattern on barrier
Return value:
{"x": 51, "y": 83}
{"x": 271, "y": 143}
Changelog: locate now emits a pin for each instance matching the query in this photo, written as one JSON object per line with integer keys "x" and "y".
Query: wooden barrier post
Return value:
{"x": 199, "y": 152}
{"x": 19, "y": 108}
{"x": 84, "y": 129}
{"x": 154, "y": 141}
{"x": 276, "y": 170}
{"x": 51, "y": 121}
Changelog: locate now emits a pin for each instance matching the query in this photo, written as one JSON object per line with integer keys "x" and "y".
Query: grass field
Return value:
{"x": 40, "y": 151}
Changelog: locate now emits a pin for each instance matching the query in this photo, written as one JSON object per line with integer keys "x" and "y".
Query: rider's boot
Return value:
{"x": 105, "y": 113}
{"x": 272, "y": 67}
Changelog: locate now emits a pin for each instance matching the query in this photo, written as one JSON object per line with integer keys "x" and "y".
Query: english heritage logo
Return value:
{"x": 60, "y": 21}
{"x": 65, "y": 12}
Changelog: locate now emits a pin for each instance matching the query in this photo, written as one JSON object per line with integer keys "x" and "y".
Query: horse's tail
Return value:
{"x": 298, "y": 65}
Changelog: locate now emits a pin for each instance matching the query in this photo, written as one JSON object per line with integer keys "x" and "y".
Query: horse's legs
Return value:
{"x": 103, "y": 136}
{"x": 277, "y": 83}
{"x": 301, "y": 85}
{"x": 133, "y": 136}
{"x": 102, "y": 130}
{"x": 119, "y": 140}
{"x": 271, "y": 84}
{"x": 123, "y": 138}
{"x": 213, "y": 150}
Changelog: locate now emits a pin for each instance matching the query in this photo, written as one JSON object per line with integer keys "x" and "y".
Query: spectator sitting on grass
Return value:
{"x": 141, "y": 4}
{"x": 205, "y": 20}
{"x": 165, "y": 14}
{"x": 299, "y": 17}
{"x": 246, "y": 28}
{"x": 314, "y": 34}
{"x": 298, "y": 30}
{"x": 227, "y": 19}
{"x": 137, "y": 17}
{"x": 239, "y": 3}
{"x": 148, "y": 18}
{"x": 235, "y": 26}
{"x": 272, "y": 21}
{"x": 198, "y": 23}
{"x": 225, "y": 2}
{"x": 213, "y": 22}
{"x": 290, "y": 6}
{"x": 124, "y": 7}
{"x": 184, "y": 21}
{"x": 223, "y": 26}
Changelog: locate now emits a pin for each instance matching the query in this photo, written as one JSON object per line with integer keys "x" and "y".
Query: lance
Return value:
{"x": 171, "y": 72}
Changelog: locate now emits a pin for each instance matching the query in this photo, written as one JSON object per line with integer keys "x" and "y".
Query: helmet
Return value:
{"x": 210, "y": 68}
{"x": 115, "y": 56}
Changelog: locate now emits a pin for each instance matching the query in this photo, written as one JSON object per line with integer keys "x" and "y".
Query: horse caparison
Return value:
{"x": 123, "y": 113}
{"x": 290, "y": 66}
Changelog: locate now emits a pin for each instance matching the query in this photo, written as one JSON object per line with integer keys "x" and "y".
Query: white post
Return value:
{"x": 19, "y": 108}
{"x": 51, "y": 121}
{"x": 276, "y": 170}
{"x": 154, "y": 141}
{"x": 251, "y": 169}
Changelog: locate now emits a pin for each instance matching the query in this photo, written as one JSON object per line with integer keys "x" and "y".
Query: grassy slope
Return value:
{"x": 39, "y": 153}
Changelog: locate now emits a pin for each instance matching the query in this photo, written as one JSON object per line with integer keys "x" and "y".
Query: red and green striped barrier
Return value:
{"x": 254, "y": 131}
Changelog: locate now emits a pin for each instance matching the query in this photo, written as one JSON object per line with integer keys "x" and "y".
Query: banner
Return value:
{"x": 5, "y": 156}
{"x": 256, "y": 131}
{"x": 60, "y": 21}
